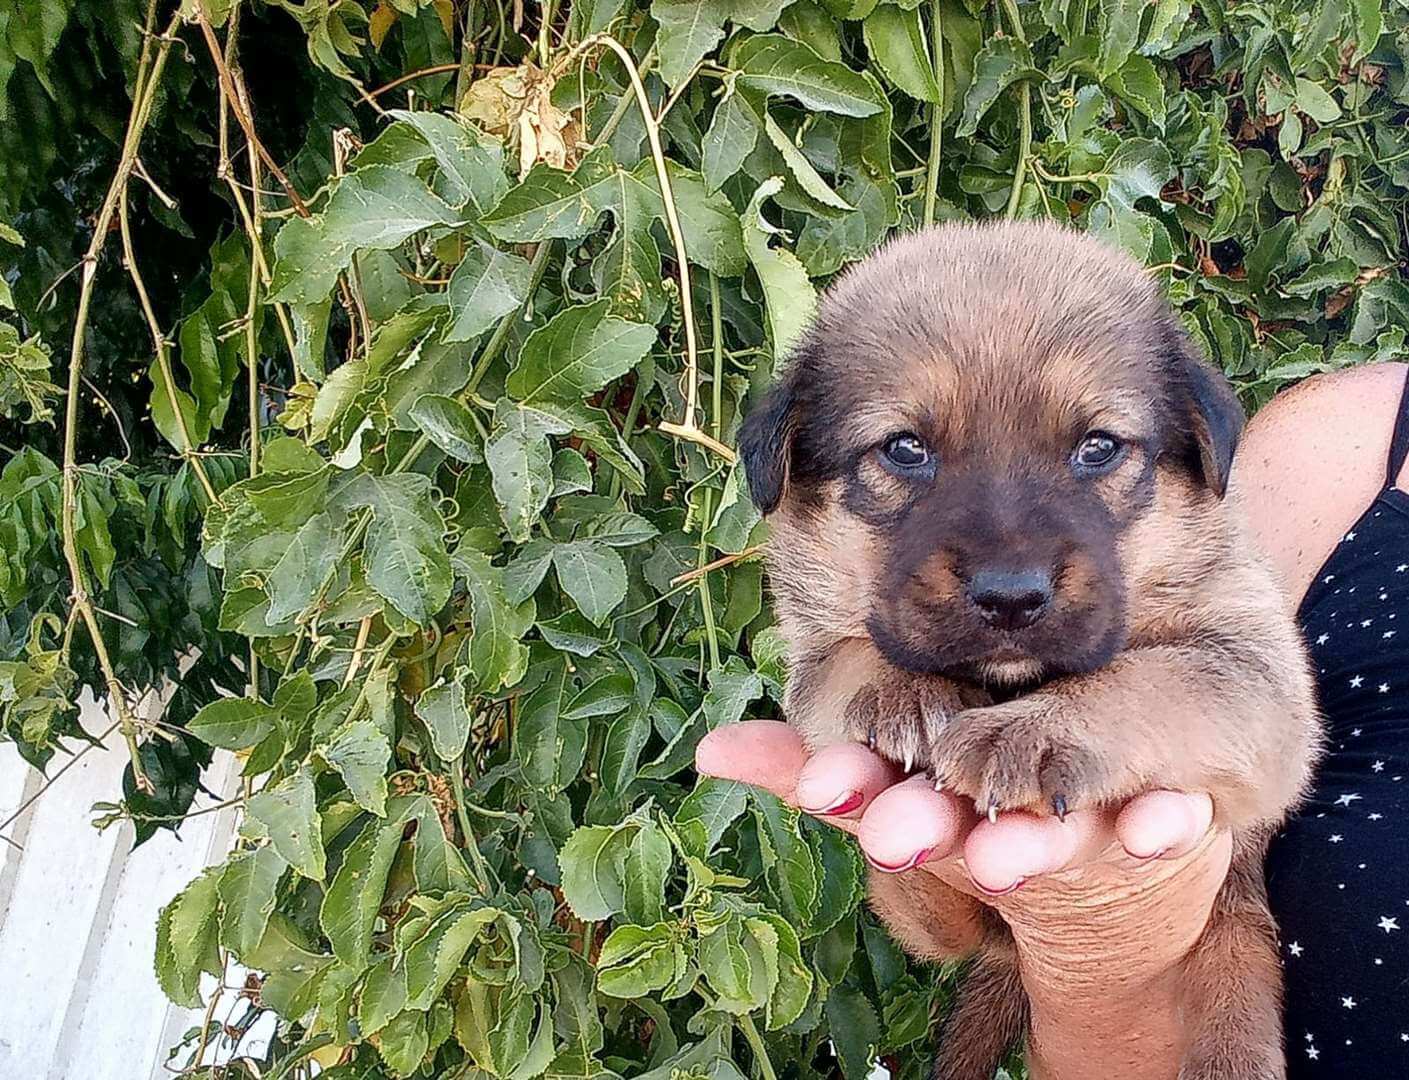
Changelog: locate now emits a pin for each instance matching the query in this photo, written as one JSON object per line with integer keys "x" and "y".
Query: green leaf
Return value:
{"x": 349, "y": 911}
{"x": 593, "y": 575}
{"x": 552, "y": 204}
{"x": 773, "y": 64}
{"x": 521, "y": 463}
{"x": 731, "y": 688}
{"x": 1367, "y": 24}
{"x": 714, "y": 805}
{"x": 789, "y": 299}
{"x": 999, "y": 64}
{"x": 289, "y": 812}
{"x": 233, "y": 723}
{"x": 713, "y": 235}
{"x": 639, "y": 960}
{"x": 647, "y": 872}
{"x": 472, "y": 164}
{"x": 578, "y": 352}
{"x": 733, "y": 133}
{"x": 374, "y": 208}
{"x": 1119, "y": 32}
{"x": 487, "y": 285}
{"x": 1138, "y": 84}
{"x": 449, "y": 425}
{"x": 593, "y": 862}
{"x": 186, "y": 940}
{"x": 688, "y": 30}
{"x": 801, "y": 169}
{"x": 496, "y": 656}
{"x": 403, "y": 1043}
{"x": 856, "y": 1032}
{"x": 442, "y": 709}
{"x": 787, "y": 857}
{"x": 248, "y": 891}
{"x": 359, "y": 751}
{"x": 895, "y": 38}
{"x": 405, "y": 550}
{"x": 1315, "y": 102}
{"x": 300, "y": 572}
{"x": 621, "y": 749}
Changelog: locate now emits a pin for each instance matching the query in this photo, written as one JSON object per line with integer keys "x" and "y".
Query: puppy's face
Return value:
{"x": 975, "y": 421}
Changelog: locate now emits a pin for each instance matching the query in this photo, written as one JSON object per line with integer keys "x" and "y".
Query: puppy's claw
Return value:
{"x": 938, "y": 784}
{"x": 993, "y": 812}
{"x": 1059, "y": 806}
{"x": 909, "y": 758}
{"x": 871, "y": 738}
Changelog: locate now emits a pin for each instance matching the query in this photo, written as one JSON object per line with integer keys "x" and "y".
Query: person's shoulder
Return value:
{"x": 1313, "y": 459}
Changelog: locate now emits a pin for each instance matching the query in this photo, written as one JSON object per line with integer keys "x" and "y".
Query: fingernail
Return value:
{"x": 910, "y": 864}
{"x": 845, "y": 804}
{"x": 1014, "y": 887}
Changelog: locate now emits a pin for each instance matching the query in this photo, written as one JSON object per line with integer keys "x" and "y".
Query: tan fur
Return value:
{"x": 1004, "y": 344}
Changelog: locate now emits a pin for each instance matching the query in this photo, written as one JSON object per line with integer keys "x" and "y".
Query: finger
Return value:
{"x": 1001, "y": 855}
{"x": 842, "y": 780}
{"x": 911, "y": 823}
{"x": 1164, "y": 824}
{"x": 764, "y": 753}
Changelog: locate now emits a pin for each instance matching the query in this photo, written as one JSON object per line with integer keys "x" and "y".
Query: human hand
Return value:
{"x": 1103, "y": 906}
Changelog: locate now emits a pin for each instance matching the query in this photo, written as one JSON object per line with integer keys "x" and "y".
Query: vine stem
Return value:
{"x": 755, "y": 1041}
{"x": 1024, "y": 116}
{"x": 159, "y": 342}
{"x": 457, "y": 786}
{"x": 716, "y": 325}
{"x": 688, "y": 428}
{"x": 149, "y": 72}
{"x": 936, "y": 113}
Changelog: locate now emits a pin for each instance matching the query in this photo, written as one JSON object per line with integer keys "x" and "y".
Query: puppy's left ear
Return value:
{"x": 1210, "y": 411}
{"x": 765, "y": 443}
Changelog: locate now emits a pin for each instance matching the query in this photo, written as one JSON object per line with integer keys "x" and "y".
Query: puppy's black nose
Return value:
{"x": 1011, "y": 599}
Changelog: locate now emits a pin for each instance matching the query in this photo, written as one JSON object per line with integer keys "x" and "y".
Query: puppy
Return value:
{"x": 995, "y": 473}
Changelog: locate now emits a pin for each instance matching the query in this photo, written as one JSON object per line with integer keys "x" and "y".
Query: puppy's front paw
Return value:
{"x": 899, "y": 717}
{"x": 1015, "y": 757}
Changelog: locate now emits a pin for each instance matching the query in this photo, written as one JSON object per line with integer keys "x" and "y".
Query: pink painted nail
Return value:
{"x": 910, "y": 864}
{"x": 848, "y": 802}
{"x": 1014, "y": 887}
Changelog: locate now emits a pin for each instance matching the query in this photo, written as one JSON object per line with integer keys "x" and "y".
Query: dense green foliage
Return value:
{"x": 491, "y": 573}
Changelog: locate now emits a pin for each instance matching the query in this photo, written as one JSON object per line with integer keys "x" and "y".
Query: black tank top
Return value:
{"x": 1338, "y": 875}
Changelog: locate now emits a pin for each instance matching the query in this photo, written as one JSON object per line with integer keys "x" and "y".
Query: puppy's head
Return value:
{"x": 976, "y": 419}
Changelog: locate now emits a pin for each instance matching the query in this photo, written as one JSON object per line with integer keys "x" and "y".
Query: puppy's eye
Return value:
{"x": 1097, "y": 450}
{"x": 907, "y": 451}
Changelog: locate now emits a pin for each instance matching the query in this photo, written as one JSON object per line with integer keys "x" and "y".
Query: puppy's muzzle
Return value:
{"x": 1010, "y": 599}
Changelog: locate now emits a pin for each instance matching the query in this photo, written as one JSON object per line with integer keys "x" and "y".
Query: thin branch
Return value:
{"x": 159, "y": 342}
{"x": 149, "y": 72}
{"x": 51, "y": 781}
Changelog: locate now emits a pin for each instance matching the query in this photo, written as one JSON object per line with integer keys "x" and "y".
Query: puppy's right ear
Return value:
{"x": 765, "y": 443}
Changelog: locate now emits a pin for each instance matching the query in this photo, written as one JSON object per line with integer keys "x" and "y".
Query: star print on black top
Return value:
{"x": 1338, "y": 875}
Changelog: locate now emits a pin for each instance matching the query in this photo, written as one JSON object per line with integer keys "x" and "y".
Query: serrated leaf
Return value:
{"x": 289, "y": 812}
{"x": 999, "y": 64}
{"x": 843, "y": 881}
{"x": 801, "y": 169}
{"x": 521, "y": 463}
{"x": 471, "y": 163}
{"x": 487, "y": 285}
{"x": 405, "y": 551}
{"x": 496, "y": 654}
{"x": 359, "y": 751}
{"x": 714, "y": 805}
{"x": 647, "y": 871}
{"x": 639, "y": 960}
{"x": 552, "y": 204}
{"x": 383, "y": 995}
{"x": 248, "y": 889}
{"x": 433, "y": 958}
{"x": 787, "y": 857}
{"x": 621, "y": 749}
{"x": 1138, "y": 84}
{"x": 376, "y": 207}
{"x": 773, "y": 64}
{"x": 449, "y": 425}
{"x": 578, "y": 352}
{"x": 442, "y": 709}
{"x": 1316, "y": 102}
{"x": 789, "y": 299}
{"x": 349, "y": 910}
{"x": 305, "y": 565}
{"x": 593, "y": 862}
{"x": 731, "y": 689}
{"x": 856, "y": 1032}
{"x": 404, "y": 1041}
{"x": 733, "y": 133}
{"x": 688, "y": 30}
{"x": 233, "y": 723}
{"x": 793, "y": 986}
{"x": 895, "y": 38}
{"x": 593, "y": 575}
